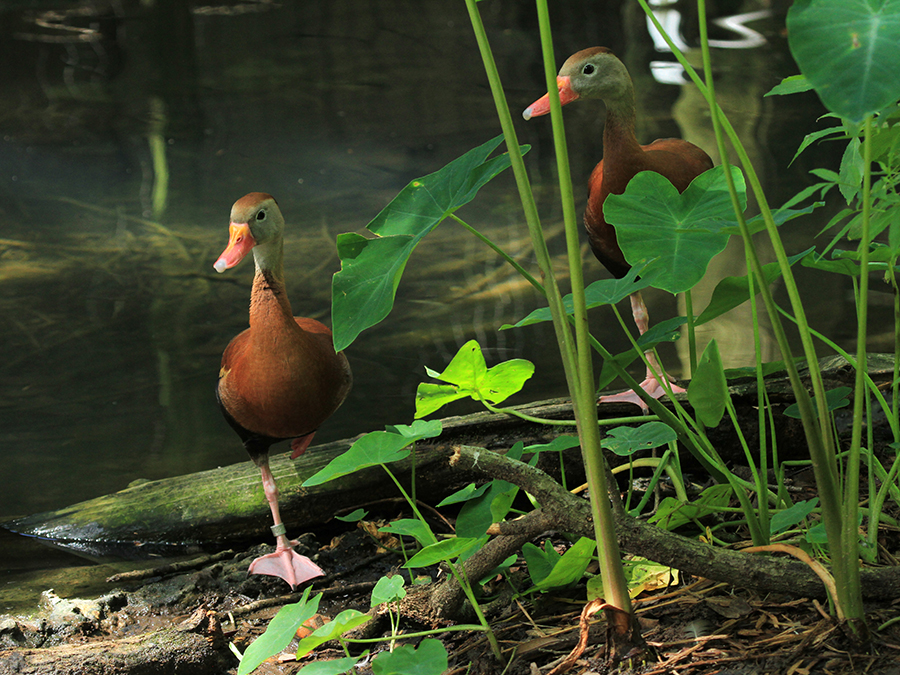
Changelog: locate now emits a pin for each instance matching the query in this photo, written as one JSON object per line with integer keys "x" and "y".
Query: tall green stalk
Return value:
{"x": 576, "y": 355}
{"x": 843, "y": 549}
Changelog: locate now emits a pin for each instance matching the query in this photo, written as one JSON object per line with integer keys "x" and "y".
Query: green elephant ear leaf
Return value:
{"x": 848, "y": 52}
{"x": 363, "y": 290}
{"x": 674, "y": 234}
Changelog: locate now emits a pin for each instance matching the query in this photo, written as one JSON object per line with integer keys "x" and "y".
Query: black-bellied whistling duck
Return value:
{"x": 596, "y": 73}
{"x": 281, "y": 378}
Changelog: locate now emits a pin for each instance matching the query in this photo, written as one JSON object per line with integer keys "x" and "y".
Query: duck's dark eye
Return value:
{"x": 588, "y": 69}
{"x": 261, "y": 214}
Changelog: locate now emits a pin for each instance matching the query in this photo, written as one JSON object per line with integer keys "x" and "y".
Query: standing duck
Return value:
{"x": 597, "y": 73}
{"x": 280, "y": 378}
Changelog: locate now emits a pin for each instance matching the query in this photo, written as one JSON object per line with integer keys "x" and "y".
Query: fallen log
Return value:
{"x": 226, "y": 506}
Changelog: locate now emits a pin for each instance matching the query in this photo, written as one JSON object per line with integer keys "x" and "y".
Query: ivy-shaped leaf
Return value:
{"x": 467, "y": 376}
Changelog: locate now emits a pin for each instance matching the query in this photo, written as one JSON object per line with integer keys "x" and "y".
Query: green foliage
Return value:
{"x": 332, "y": 667}
{"x": 834, "y": 398}
{"x": 411, "y": 527}
{"x": 448, "y": 549}
{"x": 388, "y": 589}
{"x": 540, "y": 561}
{"x": 708, "y": 390}
{"x": 342, "y": 623}
{"x": 625, "y": 441}
{"x": 599, "y": 293}
{"x": 784, "y": 520}
{"x": 479, "y": 512}
{"x": 354, "y": 516}
{"x": 848, "y": 52}
{"x": 430, "y": 658}
{"x": 549, "y": 570}
{"x": 732, "y": 292}
{"x": 672, "y": 513}
{"x": 377, "y": 447}
{"x": 467, "y": 376}
{"x": 675, "y": 235}
{"x": 279, "y": 633}
{"x": 364, "y": 289}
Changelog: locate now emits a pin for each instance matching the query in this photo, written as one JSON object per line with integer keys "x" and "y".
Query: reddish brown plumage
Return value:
{"x": 597, "y": 73}
{"x": 623, "y": 157}
{"x": 281, "y": 378}
{"x": 677, "y": 160}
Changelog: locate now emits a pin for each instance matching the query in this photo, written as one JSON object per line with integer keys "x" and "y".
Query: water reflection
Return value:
{"x": 129, "y": 131}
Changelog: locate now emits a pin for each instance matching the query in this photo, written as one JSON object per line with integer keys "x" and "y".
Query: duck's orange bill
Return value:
{"x": 542, "y": 105}
{"x": 240, "y": 241}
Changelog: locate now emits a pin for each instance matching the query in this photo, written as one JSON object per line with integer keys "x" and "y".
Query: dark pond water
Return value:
{"x": 127, "y": 131}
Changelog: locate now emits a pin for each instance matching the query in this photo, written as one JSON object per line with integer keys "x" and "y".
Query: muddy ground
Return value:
{"x": 694, "y": 626}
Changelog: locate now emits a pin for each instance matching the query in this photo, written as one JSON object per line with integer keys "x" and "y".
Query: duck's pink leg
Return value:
{"x": 285, "y": 562}
{"x": 650, "y": 384}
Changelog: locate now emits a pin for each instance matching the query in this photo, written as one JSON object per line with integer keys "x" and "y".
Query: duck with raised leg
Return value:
{"x": 280, "y": 378}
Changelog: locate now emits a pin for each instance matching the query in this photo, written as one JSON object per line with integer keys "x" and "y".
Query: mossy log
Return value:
{"x": 226, "y": 505}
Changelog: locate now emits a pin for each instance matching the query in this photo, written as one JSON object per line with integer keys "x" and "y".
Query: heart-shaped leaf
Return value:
{"x": 834, "y": 399}
{"x": 625, "y": 441}
{"x": 334, "y": 666}
{"x": 467, "y": 376}
{"x": 388, "y": 589}
{"x": 448, "y": 549}
{"x": 376, "y": 447}
{"x": 540, "y": 561}
{"x": 430, "y": 658}
{"x": 411, "y": 527}
{"x": 676, "y": 235}
{"x": 570, "y": 567}
{"x": 343, "y": 622}
{"x": 734, "y": 291}
{"x": 848, "y": 52}
{"x": 280, "y": 632}
{"x": 601, "y": 292}
{"x": 782, "y": 520}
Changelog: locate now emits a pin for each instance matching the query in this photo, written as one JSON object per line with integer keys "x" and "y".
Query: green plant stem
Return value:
{"x": 615, "y": 587}
{"x": 851, "y": 480}
{"x": 691, "y": 333}
{"x": 761, "y": 408}
{"x": 579, "y": 382}
{"x": 503, "y": 254}
{"x": 461, "y": 627}
{"x": 463, "y": 582}
{"x": 565, "y": 423}
{"x": 411, "y": 502}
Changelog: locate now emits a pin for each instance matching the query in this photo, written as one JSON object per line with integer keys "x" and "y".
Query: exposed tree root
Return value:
{"x": 561, "y": 510}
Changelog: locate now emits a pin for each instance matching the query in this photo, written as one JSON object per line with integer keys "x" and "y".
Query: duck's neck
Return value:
{"x": 619, "y": 141}
{"x": 268, "y": 301}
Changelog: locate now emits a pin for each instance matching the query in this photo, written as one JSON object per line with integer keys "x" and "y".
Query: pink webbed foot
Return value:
{"x": 286, "y": 563}
{"x": 651, "y": 385}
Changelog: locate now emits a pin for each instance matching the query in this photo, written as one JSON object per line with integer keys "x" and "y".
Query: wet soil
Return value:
{"x": 692, "y": 625}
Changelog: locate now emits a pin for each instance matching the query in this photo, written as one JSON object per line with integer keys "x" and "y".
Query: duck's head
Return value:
{"x": 591, "y": 73}
{"x": 256, "y": 220}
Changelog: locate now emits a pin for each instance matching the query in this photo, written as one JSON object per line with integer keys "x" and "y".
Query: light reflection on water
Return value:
{"x": 114, "y": 320}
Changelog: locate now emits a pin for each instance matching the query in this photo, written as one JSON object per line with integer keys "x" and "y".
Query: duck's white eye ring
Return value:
{"x": 261, "y": 214}
{"x": 588, "y": 69}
